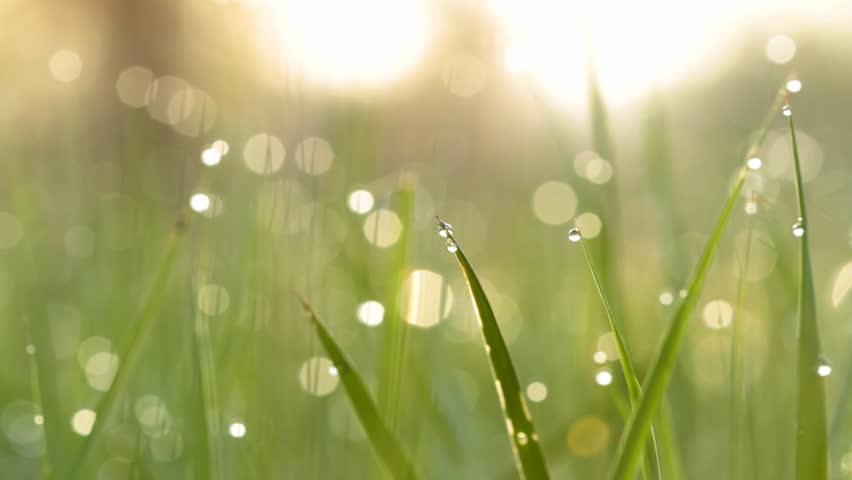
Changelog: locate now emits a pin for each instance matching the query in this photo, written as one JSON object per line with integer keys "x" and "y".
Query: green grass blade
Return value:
{"x": 519, "y": 424}
{"x": 811, "y": 430}
{"x": 385, "y": 444}
{"x": 142, "y": 327}
{"x": 650, "y": 463}
{"x": 639, "y": 426}
{"x": 737, "y": 385}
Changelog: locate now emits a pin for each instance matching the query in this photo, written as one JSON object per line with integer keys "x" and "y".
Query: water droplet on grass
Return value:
{"x": 824, "y": 368}
{"x": 452, "y": 246}
{"x": 787, "y": 111}
{"x": 522, "y": 438}
{"x": 754, "y": 163}
{"x": 798, "y": 228}
{"x": 574, "y": 235}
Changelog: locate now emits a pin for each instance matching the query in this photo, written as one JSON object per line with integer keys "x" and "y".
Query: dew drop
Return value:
{"x": 522, "y": 438}
{"x": 444, "y": 229}
{"x": 786, "y": 111}
{"x": 798, "y": 228}
{"x": 574, "y": 235}
{"x": 794, "y": 86}
{"x": 452, "y": 246}
{"x": 824, "y": 368}
{"x": 754, "y": 163}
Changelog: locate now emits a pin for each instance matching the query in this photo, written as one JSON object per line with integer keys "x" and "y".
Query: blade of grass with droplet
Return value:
{"x": 650, "y": 462}
{"x": 384, "y": 443}
{"x": 525, "y": 443}
{"x": 129, "y": 357}
{"x": 639, "y": 425}
{"x": 811, "y": 429}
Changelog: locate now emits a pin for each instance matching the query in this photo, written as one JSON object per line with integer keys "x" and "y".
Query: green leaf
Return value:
{"x": 650, "y": 464}
{"x": 639, "y": 426}
{"x": 385, "y": 444}
{"x": 519, "y": 423}
{"x": 811, "y": 430}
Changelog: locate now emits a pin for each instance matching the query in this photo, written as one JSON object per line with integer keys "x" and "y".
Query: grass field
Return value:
{"x": 220, "y": 259}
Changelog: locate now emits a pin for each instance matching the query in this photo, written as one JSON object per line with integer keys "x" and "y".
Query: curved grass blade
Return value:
{"x": 650, "y": 462}
{"x": 639, "y": 426}
{"x": 811, "y": 429}
{"x": 142, "y": 328}
{"x": 519, "y": 424}
{"x": 384, "y": 443}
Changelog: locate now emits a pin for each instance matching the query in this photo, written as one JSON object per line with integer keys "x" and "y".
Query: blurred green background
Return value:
{"x": 308, "y": 145}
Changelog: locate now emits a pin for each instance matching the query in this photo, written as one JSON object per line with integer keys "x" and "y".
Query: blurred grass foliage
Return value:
{"x": 119, "y": 120}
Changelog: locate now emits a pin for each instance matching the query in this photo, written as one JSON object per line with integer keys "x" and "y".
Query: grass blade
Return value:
{"x": 384, "y": 443}
{"x": 811, "y": 430}
{"x": 142, "y": 327}
{"x": 639, "y": 426}
{"x": 519, "y": 424}
{"x": 650, "y": 463}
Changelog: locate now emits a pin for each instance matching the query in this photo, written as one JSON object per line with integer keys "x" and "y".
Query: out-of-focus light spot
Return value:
{"x": 361, "y": 201}
{"x": 589, "y": 224}
{"x": 22, "y": 421}
{"x": 554, "y": 202}
{"x": 90, "y": 347}
{"x": 153, "y": 416}
{"x": 134, "y": 86}
{"x": 599, "y": 357}
{"x": 842, "y": 284}
{"x": 199, "y": 202}
{"x": 30, "y": 349}
{"x": 213, "y": 299}
{"x": 750, "y": 207}
{"x": 314, "y": 156}
{"x": 11, "y": 230}
{"x": 603, "y": 378}
{"x": 211, "y": 157}
{"x": 222, "y": 146}
{"x": 100, "y": 370}
{"x": 794, "y": 86}
{"x": 263, "y": 153}
{"x": 824, "y": 370}
{"x": 315, "y": 378}
{"x": 780, "y": 49}
{"x": 666, "y": 298}
{"x": 429, "y": 298}
{"x": 754, "y": 163}
{"x": 718, "y": 314}
{"x": 65, "y": 65}
{"x": 683, "y": 293}
{"x": 382, "y": 228}
{"x": 464, "y": 75}
{"x": 79, "y": 241}
{"x": 332, "y": 370}
{"x": 779, "y": 151}
{"x": 592, "y": 167}
{"x": 536, "y": 391}
{"x": 588, "y": 436}
{"x": 371, "y": 313}
{"x": 237, "y": 430}
{"x": 516, "y": 58}
{"x": 82, "y": 421}
{"x": 340, "y": 42}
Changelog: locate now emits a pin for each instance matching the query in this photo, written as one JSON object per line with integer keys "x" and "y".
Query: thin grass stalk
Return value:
{"x": 383, "y": 441}
{"x": 650, "y": 462}
{"x": 811, "y": 428}
{"x": 639, "y": 426}
{"x": 519, "y": 424}
{"x": 737, "y": 381}
{"x": 142, "y": 327}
